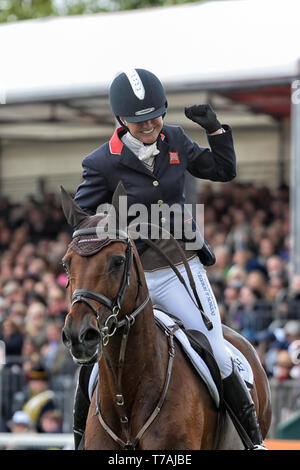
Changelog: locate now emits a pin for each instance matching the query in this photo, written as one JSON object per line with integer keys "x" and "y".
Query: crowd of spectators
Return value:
{"x": 34, "y": 237}
{"x": 248, "y": 228}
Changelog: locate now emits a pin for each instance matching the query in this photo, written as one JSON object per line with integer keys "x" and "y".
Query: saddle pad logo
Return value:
{"x": 174, "y": 158}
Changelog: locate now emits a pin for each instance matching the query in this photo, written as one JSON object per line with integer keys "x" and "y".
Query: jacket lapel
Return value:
{"x": 128, "y": 159}
{"x": 161, "y": 160}
{"x": 122, "y": 153}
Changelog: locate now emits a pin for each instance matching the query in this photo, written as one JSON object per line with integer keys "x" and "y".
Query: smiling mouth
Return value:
{"x": 148, "y": 132}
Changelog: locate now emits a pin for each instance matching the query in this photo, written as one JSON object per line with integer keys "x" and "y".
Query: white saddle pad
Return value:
{"x": 200, "y": 366}
{"x": 198, "y": 363}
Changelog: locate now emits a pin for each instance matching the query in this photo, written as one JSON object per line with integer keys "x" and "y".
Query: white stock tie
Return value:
{"x": 145, "y": 153}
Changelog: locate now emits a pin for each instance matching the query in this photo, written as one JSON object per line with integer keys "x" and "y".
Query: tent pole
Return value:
{"x": 282, "y": 151}
{"x": 1, "y": 166}
{"x": 295, "y": 187}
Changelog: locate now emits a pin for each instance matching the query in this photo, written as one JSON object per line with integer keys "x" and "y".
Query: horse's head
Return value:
{"x": 104, "y": 282}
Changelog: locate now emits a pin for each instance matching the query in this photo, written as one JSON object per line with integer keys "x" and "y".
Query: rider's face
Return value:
{"x": 146, "y": 131}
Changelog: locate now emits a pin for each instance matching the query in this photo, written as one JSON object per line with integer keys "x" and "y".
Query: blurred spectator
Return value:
{"x": 292, "y": 331}
{"x": 13, "y": 292}
{"x": 218, "y": 271}
{"x": 236, "y": 275}
{"x": 293, "y": 301}
{"x": 56, "y": 357}
{"x": 13, "y": 340}
{"x": 276, "y": 289}
{"x": 276, "y": 267}
{"x": 267, "y": 347}
{"x": 20, "y": 423}
{"x": 257, "y": 281}
{"x": 277, "y": 295}
{"x": 283, "y": 366}
{"x": 38, "y": 398}
{"x": 36, "y": 321}
{"x": 280, "y": 339}
{"x": 252, "y": 314}
{"x": 17, "y": 314}
{"x": 238, "y": 236}
{"x": 37, "y": 267}
{"x": 241, "y": 257}
{"x": 266, "y": 249}
{"x": 294, "y": 352}
{"x": 51, "y": 421}
{"x": 3, "y": 309}
{"x": 231, "y": 303}
{"x": 57, "y": 303}
{"x": 30, "y": 354}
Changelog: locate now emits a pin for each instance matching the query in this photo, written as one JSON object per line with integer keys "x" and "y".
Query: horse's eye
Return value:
{"x": 117, "y": 261}
{"x": 67, "y": 273}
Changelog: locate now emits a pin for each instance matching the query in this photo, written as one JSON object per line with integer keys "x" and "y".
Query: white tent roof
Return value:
{"x": 189, "y": 46}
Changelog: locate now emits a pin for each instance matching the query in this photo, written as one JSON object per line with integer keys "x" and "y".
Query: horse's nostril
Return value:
{"x": 90, "y": 336}
{"x": 65, "y": 339}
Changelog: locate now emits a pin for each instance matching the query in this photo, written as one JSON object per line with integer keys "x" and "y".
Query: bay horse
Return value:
{"x": 148, "y": 396}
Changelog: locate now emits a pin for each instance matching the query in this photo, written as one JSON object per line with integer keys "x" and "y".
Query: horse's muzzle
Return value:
{"x": 84, "y": 343}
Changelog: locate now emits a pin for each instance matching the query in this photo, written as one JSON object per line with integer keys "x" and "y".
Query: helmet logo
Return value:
{"x": 136, "y": 83}
{"x": 144, "y": 111}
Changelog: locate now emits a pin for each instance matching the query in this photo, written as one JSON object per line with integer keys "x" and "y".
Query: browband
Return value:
{"x": 97, "y": 231}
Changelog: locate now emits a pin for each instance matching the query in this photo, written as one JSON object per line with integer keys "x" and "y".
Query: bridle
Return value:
{"x": 109, "y": 329}
{"x": 112, "y": 323}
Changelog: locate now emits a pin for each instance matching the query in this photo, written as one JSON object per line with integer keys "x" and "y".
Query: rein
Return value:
{"x": 128, "y": 444}
{"x": 206, "y": 320}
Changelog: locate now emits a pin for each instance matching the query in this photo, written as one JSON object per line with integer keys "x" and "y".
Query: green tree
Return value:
{"x": 134, "y": 4}
{"x": 14, "y": 10}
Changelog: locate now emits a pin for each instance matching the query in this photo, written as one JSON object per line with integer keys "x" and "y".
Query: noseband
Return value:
{"x": 83, "y": 295}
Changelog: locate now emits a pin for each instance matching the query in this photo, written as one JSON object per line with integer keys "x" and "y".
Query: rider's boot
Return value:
{"x": 80, "y": 412}
{"x": 238, "y": 397}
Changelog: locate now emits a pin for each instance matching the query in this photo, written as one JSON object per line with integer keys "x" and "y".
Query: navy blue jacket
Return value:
{"x": 114, "y": 162}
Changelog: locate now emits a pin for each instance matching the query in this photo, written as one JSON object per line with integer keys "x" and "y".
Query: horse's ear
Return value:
{"x": 119, "y": 203}
{"x": 119, "y": 191}
{"x": 73, "y": 213}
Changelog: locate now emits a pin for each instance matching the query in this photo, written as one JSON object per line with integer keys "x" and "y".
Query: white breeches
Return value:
{"x": 167, "y": 292}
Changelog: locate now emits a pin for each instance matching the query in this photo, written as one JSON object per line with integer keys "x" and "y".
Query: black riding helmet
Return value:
{"x": 137, "y": 95}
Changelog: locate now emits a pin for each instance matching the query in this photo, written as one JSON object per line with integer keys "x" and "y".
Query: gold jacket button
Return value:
{"x": 155, "y": 183}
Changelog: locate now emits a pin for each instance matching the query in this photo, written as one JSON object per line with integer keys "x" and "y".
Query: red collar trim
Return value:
{"x": 116, "y": 145}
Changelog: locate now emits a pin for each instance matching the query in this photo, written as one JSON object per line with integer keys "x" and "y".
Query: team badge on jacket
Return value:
{"x": 174, "y": 158}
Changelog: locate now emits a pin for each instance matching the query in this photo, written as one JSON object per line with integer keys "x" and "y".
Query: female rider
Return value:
{"x": 151, "y": 158}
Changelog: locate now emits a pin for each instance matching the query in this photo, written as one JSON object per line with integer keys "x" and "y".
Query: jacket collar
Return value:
{"x": 116, "y": 145}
